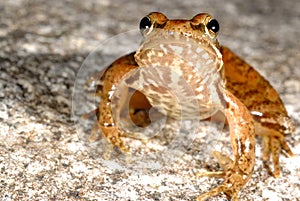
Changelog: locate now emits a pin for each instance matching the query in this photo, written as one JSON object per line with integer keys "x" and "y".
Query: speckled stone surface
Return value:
{"x": 42, "y": 47}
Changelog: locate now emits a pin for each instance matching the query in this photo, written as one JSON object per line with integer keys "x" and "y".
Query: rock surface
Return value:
{"x": 42, "y": 47}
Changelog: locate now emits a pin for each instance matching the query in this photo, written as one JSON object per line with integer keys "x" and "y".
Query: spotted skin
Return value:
{"x": 190, "y": 49}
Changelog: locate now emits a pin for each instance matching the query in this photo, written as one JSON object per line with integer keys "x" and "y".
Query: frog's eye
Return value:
{"x": 145, "y": 24}
{"x": 213, "y": 25}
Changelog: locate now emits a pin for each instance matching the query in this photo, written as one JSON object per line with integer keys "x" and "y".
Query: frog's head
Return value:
{"x": 201, "y": 25}
{"x": 179, "y": 58}
{"x": 194, "y": 41}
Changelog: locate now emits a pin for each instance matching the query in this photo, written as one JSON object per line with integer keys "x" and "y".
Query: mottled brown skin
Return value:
{"x": 252, "y": 107}
{"x": 272, "y": 123}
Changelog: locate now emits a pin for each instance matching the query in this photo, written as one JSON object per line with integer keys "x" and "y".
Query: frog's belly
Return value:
{"x": 174, "y": 94}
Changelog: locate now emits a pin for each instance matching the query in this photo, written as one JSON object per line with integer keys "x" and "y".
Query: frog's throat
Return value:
{"x": 187, "y": 47}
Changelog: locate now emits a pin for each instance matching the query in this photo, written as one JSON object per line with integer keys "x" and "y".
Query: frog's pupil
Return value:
{"x": 213, "y": 25}
{"x": 145, "y": 23}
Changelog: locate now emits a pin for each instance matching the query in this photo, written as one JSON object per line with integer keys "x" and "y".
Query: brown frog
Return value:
{"x": 189, "y": 50}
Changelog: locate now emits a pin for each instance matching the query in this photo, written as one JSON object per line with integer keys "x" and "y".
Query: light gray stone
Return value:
{"x": 43, "y": 155}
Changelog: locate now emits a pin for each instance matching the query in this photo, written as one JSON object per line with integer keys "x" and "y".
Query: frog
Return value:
{"x": 251, "y": 105}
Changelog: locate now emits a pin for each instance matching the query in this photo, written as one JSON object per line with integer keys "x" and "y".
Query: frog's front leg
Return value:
{"x": 238, "y": 171}
{"x": 113, "y": 109}
{"x": 109, "y": 129}
{"x": 106, "y": 114}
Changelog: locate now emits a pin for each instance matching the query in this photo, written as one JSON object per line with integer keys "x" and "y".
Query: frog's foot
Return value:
{"x": 114, "y": 138}
{"x": 109, "y": 149}
{"x": 273, "y": 130}
{"x": 231, "y": 193}
{"x": 233, "y": 182}
{"x": 224, "y": 161}
{"x": 140, "y": 118}
{"x": 274, "y": 144}
{"x": 94, "y": 134}
{"x": 234, "y": 179}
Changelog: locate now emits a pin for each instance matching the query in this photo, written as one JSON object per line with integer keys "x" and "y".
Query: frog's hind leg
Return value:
{"x": 272, "y": 122}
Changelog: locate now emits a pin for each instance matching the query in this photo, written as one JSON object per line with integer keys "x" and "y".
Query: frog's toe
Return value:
{"x": 230, "y": 193}
{"x": 271, "y": 146}
{"x": 285, "y": 146}
{"x": 234, "y": 179}
{"x": 274, "y": 145}
{"x": 107, "y": 152}
{"x": 224, "y": 161}
{"x": 211, "y": 174}
{"x": 95, "y": 134}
